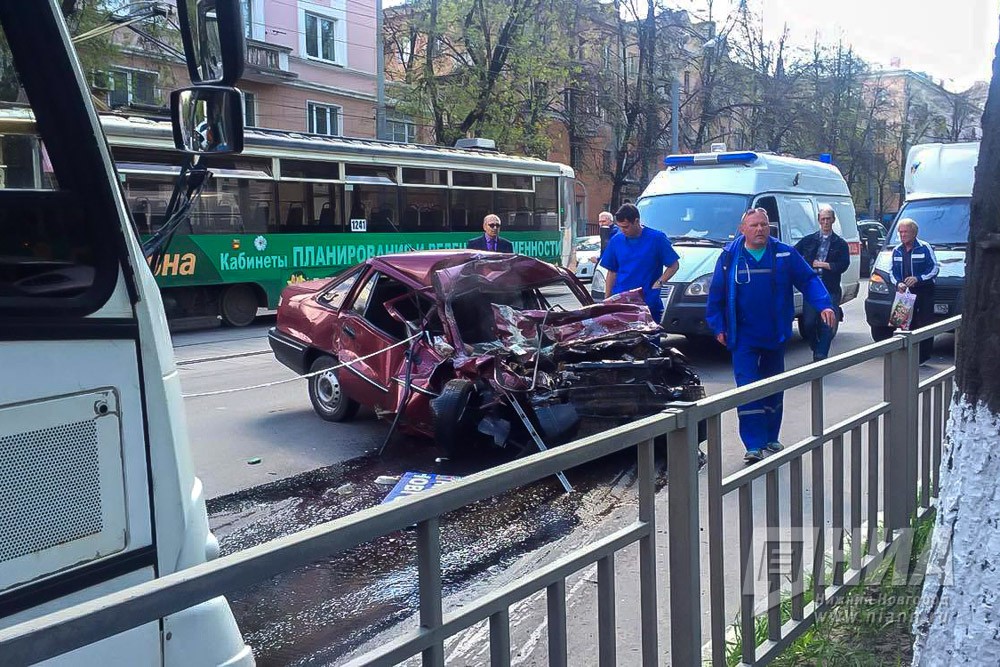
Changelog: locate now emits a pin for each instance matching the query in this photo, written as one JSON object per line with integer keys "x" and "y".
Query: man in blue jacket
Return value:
{"x": 914, "y": 268}
{"x": 750, "y": 311}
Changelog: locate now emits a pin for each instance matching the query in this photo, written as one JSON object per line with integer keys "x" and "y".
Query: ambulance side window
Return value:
{"x": 798, "y": 217}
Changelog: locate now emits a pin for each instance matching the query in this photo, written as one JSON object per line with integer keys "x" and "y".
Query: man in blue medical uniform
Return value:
{"x": 750, "y": 311}
{"x": 636, "y": 258}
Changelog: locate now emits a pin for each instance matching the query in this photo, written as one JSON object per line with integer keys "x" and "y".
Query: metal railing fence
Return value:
{"x": 909, "y": 417}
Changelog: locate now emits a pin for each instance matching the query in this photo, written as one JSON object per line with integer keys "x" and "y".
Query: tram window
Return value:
{"x": 424, "y": 209}
{"x": 546, "y": 203}
{"x": 310, "y": 169}
{"x": 468, "y": 208}
{"x": 425, "y": 176}
{"x": 372, "y": 171}
{"x": 514, "y": 182}
{"x": 515, "y": 210}
{"x": 377, "y": 205}
{"x": 472, "y": 179}
{"x": 147, "y": 197}
{"x": 310, "y": 207}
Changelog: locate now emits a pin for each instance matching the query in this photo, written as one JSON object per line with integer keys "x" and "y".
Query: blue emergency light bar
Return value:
{"x": 695, "y": 159}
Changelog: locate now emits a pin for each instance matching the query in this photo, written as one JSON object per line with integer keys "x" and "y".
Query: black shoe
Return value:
{"x": 753, "y": 456}
{"x": 774, "y": 447}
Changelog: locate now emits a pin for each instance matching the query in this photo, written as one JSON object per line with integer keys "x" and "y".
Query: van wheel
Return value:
{"x": 327, "y": 396}
{"x": 881, "y": 333}
{"x": 453, "y": 427}
{"x": 238, "y": 305}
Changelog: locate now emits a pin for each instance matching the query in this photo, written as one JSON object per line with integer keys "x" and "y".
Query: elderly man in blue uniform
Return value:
{"x": 750, "y": 311}
{"x": 638, "y": 257}
{"x": 914, "y": 268}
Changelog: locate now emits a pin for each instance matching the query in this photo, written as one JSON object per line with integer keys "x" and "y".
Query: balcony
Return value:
{"x": 267, "y": 62}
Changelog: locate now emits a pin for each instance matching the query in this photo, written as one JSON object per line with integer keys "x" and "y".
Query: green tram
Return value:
{"x": 295, "y": 207}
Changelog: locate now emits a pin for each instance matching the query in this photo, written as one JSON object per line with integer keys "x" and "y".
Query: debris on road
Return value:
{"x": 416, "y": 482}
{"x": 387, "y": 480}
{"x": 253, "y": 461}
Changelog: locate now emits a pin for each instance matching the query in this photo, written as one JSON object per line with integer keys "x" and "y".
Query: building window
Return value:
{"x": 132, "y": 88}
{"x": 324, "y": 119}
{"x": 246, "y": 8}
{"x": 249, "y": 109}
{"x": 403, "y": 131}
{"x": 321, "y": 37}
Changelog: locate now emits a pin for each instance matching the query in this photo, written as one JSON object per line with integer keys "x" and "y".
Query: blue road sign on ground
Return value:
{"x": 417, "y": 482}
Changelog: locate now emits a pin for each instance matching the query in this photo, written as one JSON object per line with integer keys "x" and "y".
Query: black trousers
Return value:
{"x": 923, "y": 314}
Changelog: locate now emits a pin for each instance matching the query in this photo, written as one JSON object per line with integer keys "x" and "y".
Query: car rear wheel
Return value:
{"x": 238, "y": 305}
{"x": 453, "y": 428}
{"x": 881, "y": 333}
{"x": 327, "y": 396}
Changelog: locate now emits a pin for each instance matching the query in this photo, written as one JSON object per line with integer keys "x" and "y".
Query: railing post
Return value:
{"x": 684, "y": 572}
{"x": 648, "y": 617}
{"x": 429, "y": 582}
{"x": 901, "y": 386}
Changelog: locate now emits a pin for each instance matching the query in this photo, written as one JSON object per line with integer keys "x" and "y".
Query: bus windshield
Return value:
{"x": 942, "y": 222}
{"x": 699, "y": 217}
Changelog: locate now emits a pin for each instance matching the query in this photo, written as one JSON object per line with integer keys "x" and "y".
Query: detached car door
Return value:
{"x": 367, "y": 334}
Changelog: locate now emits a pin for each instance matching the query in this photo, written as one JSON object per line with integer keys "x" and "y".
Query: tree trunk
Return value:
{"x": 957, "y": 619}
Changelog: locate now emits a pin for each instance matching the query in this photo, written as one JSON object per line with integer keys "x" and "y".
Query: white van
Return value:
{"x": 938, "y": 185}
{"x": 698, "y": 201}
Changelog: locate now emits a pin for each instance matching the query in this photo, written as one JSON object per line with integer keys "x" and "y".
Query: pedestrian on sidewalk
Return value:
{"x": 750, "y": 311}
{"x": 914, "y": 267}
{"x": 639, "y": 257}
{"x": 827, "y": 253}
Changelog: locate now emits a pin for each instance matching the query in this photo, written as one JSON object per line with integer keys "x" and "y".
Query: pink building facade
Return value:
{"x": 311, "y": 67}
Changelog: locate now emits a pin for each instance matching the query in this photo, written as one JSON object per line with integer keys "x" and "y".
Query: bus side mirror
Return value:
{"x": 214, "y": 46}
{"x": 207, "y": 120}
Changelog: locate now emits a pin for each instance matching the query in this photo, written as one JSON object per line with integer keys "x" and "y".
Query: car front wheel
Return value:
{"x": 327, "y": 396}
{"x": 453, "y": 427}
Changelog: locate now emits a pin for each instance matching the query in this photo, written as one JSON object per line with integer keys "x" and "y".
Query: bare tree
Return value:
{"x": 955, "y": 622}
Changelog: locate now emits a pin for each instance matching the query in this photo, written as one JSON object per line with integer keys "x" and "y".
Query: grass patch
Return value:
{"x": 869, "y": 626}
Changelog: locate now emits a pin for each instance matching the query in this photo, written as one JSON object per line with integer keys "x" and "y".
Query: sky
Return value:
{"x": 950, "y": 40}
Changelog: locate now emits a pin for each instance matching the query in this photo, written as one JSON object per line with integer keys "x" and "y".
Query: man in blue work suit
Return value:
{"x": 750, "y": 310}
{"x": 636, "y": 258}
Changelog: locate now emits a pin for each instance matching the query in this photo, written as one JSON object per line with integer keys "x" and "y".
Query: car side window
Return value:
{"x": 334, "y": 296}
{"x": 360, "y": 304}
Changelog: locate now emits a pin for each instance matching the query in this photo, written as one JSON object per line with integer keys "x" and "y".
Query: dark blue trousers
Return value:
{"x": 760, "y": 421}
{"x": 817, "y": 333}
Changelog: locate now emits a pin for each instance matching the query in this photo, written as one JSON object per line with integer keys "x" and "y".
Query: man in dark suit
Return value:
{"x": 491, "y": 239}
{"x": 828, "y": 255}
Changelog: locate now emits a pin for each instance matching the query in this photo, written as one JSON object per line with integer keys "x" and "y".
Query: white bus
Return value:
{"x": 97, "y": 488}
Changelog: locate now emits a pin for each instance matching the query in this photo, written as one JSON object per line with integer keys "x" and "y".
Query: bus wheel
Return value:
{"x": 238, "y": 305}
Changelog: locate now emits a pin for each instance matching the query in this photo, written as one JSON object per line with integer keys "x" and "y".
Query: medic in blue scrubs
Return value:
{"x": 750, "y": 310}
{"x": 636, "y": 258}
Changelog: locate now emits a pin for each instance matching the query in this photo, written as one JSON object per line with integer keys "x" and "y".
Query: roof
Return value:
{"x": 479, "y": 267}
{"x": 763, "y": 172}
{"x": 135, "y": 131}
{"x": 940, "y": 170}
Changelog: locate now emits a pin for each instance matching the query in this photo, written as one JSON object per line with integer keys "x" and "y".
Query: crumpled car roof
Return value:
{"x": 492, "y": 272}
{"x": 462, "y": 269}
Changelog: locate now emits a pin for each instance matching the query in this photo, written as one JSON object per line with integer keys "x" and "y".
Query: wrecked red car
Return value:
{"x": 463, "y": 346}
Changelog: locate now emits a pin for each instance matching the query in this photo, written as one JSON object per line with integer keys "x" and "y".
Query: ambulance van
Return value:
{"x": 698, "y": 201}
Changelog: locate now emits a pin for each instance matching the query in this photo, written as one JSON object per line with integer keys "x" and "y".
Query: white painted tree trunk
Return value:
{"x": 957, "y": 621}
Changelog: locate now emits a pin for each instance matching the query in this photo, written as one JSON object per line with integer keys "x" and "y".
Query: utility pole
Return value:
{"x": 379, "y": 74}
{"x": 675, "y": 112}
